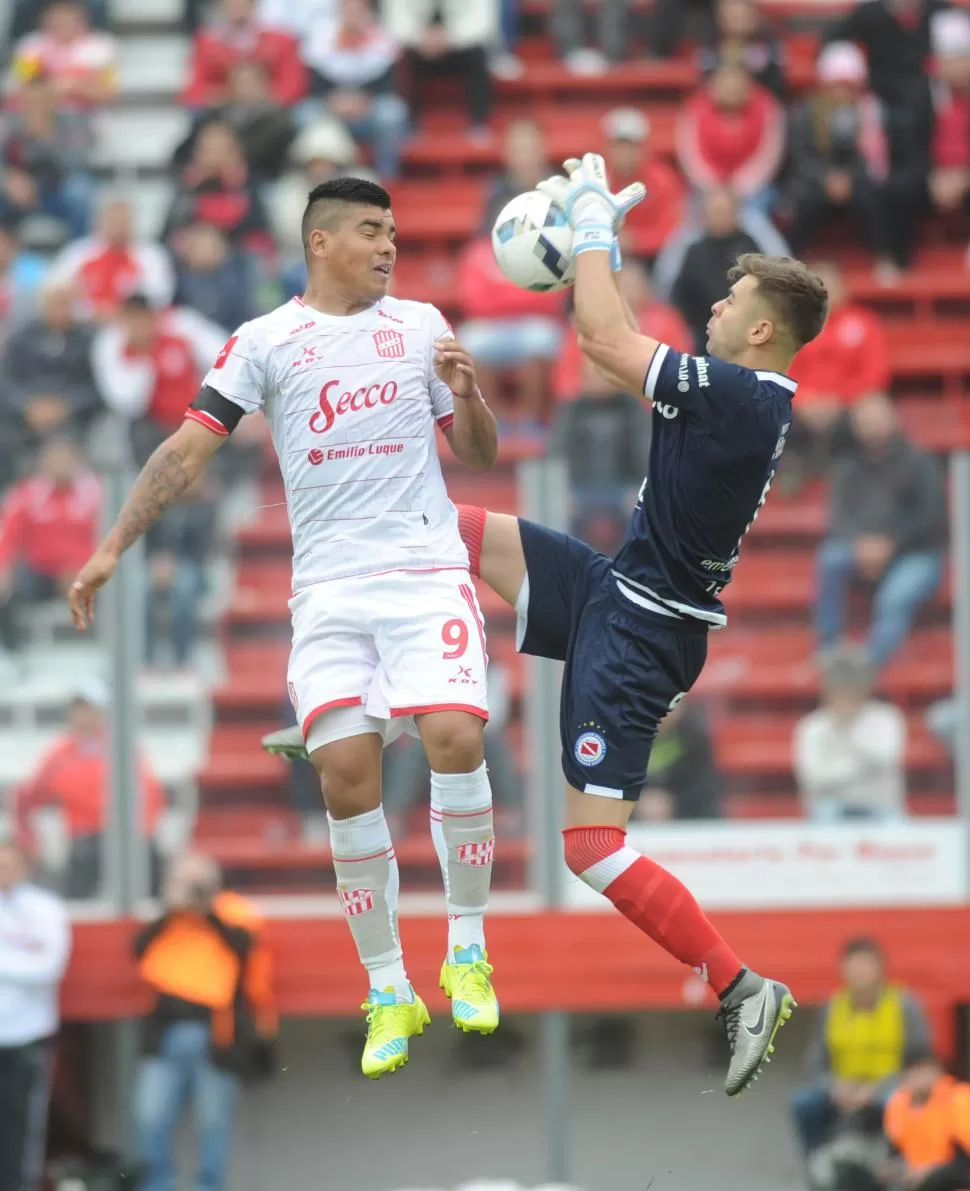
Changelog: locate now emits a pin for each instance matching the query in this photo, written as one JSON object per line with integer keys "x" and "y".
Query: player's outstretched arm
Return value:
{"x": 179, "y": 461}
{"x": 605, "y": 327}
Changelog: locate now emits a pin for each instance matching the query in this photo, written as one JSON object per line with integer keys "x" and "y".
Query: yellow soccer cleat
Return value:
{"x": 467, "y": 980}
{"x": 390, "y": 1023}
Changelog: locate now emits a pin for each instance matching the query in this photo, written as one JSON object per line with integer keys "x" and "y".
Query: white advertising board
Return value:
{"x": 764, "y": 865}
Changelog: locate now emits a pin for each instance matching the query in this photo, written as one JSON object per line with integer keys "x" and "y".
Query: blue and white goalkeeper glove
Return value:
{"x": 594, "y": 213}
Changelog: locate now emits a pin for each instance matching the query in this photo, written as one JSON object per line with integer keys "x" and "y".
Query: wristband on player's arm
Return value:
{"x": 593, "y": 238}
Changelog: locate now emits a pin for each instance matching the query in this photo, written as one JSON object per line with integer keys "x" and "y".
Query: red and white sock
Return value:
{"x": 653, "y": 900}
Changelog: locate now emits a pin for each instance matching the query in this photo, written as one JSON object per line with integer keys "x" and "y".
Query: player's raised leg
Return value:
{"x": 463, "y": 831}
{"x": 653, "y": 899}
{"x": 368, "y": 884}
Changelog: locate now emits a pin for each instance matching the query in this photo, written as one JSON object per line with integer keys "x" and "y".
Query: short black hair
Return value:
{"x": 862, "y": 945}
{"x": 325, "y": 203}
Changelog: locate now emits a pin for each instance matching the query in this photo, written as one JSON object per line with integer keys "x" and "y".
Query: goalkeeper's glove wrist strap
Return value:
{"x": 593, "y": 237}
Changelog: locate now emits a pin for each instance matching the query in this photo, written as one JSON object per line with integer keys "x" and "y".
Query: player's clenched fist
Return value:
{"x": 94, "y": 574}
{"x": 454, "y": 366}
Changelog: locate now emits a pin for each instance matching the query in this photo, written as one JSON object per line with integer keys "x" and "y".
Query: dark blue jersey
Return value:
{"x": 718, "y": 433}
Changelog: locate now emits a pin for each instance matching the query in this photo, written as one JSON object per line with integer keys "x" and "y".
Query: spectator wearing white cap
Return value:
{"x": 35, "y": 943}
{"x": 950, "y": 164}
{"x": 840, "y": 161}
{"x": 629, "y": 158}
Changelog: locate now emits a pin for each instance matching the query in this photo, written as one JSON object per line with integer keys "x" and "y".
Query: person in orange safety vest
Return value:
{"x": 213, "y": 1023}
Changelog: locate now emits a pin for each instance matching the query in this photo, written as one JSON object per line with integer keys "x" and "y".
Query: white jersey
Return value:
{"x": 352, "y": 403}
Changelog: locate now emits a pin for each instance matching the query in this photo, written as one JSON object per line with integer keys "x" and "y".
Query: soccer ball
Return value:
{"x": 533, "y": 243}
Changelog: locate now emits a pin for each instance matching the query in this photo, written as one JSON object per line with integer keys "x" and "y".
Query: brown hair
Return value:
{"x": 795, "y": 294}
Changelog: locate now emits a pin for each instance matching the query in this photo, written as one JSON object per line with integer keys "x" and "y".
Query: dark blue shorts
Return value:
{"x": 625, "y": 665}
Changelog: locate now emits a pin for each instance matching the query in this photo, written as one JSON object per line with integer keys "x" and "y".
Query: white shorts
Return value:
{"x": 371, "y": 652}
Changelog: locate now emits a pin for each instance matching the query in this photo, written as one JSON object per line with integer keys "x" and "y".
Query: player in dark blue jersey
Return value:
{"x": 632, "y": 630}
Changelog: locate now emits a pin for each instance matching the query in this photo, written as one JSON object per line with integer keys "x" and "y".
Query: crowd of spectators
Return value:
{"x": 99, "y": 320}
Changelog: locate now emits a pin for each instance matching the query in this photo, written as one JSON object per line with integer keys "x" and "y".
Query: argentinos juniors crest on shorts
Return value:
{"x": 590, "y": 746}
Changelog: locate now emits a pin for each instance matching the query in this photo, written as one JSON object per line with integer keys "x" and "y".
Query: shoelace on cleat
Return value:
{"x": 731, "y": 1016}
{"x": 373, "y": 1011}
{"x": 478, "y": 977}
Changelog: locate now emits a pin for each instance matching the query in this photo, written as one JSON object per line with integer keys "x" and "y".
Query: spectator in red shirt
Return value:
{"x": 732, "y": 133}
{"x": 112, "y": 264}
{"x": 950, "y": 173}
{"x": 234, "y": 35}
{"x": 216, "y": 187}
{"x": 149, "y": 364}
{"x": 73, "y": 777}
{"x": 848, "y": 361}
{"x": 48, "y": 526}
{"x": 654, "y": 318}
{"x": 629, "y": 159}
{"x": 508, "y": 329}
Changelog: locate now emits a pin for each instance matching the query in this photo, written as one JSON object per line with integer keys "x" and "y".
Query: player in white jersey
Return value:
{"x": 387, "y": 631}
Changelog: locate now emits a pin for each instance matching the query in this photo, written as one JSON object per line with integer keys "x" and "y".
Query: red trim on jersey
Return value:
{"x": 468, "y": 595}
{"x": 208, "y": 421}
{"x": 314, "y": 715}
{"x": 445, "y": 421}
{"x": 224, "y": 354}
{"x": 482, "y": 714}
{"x": 299, "y": 301}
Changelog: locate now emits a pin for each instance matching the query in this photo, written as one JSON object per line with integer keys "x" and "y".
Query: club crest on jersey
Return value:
{"x": 590, "y": 749}
{"x": 389, "y": 344}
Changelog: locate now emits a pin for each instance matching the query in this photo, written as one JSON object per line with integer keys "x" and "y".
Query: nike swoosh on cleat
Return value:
{"x": 758, "y": 1027}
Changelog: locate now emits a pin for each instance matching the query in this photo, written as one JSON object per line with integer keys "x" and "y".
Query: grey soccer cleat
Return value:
{"x": 286, "y": 742}
{"x": 753, "y": 1012}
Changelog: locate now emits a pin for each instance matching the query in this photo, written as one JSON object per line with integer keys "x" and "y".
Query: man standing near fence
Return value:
{"x": 35, "y": 941}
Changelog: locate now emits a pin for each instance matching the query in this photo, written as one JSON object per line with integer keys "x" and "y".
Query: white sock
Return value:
{"x": 463, "y": 832}
{"x": 368, "y": 885}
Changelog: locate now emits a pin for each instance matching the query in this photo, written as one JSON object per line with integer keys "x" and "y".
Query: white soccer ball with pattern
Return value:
{"x": 533, "y": 243}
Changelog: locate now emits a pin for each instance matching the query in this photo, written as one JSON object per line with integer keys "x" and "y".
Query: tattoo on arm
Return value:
{"x": 161, "y": 482}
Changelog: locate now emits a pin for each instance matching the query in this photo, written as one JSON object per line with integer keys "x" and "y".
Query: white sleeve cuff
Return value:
{"x": 653, "y": 372}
